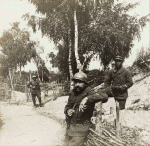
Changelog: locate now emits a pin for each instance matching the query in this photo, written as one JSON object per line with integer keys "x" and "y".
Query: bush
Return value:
{"x": 143, "y": 60}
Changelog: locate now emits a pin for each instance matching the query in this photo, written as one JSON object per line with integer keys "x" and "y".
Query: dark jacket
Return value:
{"x": 74, "y": 100}
{"x": 82, "y": 117}
{"x": 118, "y": 78}
{"x": 35, "y": 87}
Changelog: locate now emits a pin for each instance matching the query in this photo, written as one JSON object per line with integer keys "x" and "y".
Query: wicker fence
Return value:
{"x": 57, "y": 88}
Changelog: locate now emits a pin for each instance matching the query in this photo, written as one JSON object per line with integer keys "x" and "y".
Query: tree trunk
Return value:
{"x": 36, "y": 62}
{"x": 38, "y": 72}
{"x": 70, "y": 54}
{"x": 42, "y": 74}
{"x": 11, "y": 82}
{"x": 70, "y": 49}
{"x": 20, "y": 70}
{"x": 70, "y": 59}
{"x": 30, "y": 76}
{"x": 79, "y": 66}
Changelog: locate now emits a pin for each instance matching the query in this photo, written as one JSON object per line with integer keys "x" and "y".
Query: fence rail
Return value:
{"x": 57, "y": 88}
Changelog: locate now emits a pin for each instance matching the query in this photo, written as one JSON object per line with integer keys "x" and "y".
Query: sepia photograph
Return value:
{"x": 75, "y": 73}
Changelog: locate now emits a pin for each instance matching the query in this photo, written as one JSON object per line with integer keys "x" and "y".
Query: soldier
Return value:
{"x": 35, "y": 90}
{"x": 117, "y": 82}
{"x": 79, "y": 110}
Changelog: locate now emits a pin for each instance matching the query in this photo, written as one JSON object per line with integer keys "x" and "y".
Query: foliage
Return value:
{"x": 55, "y": 77}
{"x": 143, "y": 60}
{"x": 112, "y": 31}
{"x": 43, "y": 73}
{"x": 17, "y": 48}
{"x": 95, "y": 77}
{"x": 61, "y": 60}
{"x": 104, "y": 29}
{"x": 4, "y": 66}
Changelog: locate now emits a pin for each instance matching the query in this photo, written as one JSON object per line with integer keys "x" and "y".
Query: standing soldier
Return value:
{"x": 35, "y": 90}
{"x": 117, "y": 82}
{"x": 79, "y": 110}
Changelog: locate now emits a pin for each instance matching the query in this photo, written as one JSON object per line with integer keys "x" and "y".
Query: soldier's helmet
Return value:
{"x": 81, "y": 76}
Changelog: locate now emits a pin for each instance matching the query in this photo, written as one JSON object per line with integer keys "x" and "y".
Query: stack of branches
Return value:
{"x": 129, "y": 136}
{"x": 107, "y": 138}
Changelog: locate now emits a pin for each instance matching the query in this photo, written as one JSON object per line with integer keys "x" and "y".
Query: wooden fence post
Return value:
{"x": 26, "y": 93}
{"x": 11, "y": 79}
{"x": 30, "y": 75}
{"x": 118, "y": 127}
{"x": 6, "y": 91}
{"x": 99, "y": 119}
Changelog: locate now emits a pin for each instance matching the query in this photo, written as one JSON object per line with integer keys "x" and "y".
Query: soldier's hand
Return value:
{"x": 70, "y": 112}
{"x": 123, "y": 87}
{"x": 82, "y": 105}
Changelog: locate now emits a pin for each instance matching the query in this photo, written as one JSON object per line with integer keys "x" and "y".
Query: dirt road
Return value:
{"x": 23, "y": 126}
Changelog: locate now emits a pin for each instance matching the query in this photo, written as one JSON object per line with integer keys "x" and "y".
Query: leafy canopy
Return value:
{"x": 17, "y": 48}
{"x": 104, "y": 28}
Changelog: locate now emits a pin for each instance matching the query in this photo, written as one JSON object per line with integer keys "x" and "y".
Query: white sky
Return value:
{"x": 12, "y": 11}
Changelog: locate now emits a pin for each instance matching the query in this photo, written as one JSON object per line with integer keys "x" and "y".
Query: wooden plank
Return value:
{"x": 99, "y": 119}
{"x": 117, "y": 120}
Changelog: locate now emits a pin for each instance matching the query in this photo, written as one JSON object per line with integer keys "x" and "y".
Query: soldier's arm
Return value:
{"x": 129, "y": 81}
{"x": 29, "y": 84}
{"x": 68, "y": 106}
{"x": 94, "y": 96}
{"x": 108, "y": 79}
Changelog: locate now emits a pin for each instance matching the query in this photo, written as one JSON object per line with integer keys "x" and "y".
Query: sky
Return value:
{"x": 142, "y": 9}
{"x": 12, "y": 11}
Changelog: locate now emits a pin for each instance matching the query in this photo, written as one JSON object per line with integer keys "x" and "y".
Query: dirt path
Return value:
{"x": 24, "y": 127}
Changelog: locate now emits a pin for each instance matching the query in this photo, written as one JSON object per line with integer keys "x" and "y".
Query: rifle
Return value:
{"x": 68, "y": 119}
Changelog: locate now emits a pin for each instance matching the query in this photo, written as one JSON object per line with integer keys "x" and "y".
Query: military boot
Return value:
{"x": 34, "y": 102}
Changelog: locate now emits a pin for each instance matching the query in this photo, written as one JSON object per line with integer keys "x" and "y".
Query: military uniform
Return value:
{"x": 35, "y": 91}
{"x": 80, "y": 121}
{"x": 120, "y": 79}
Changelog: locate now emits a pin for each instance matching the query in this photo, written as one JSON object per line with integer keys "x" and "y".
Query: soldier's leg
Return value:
{"x": 67, "y": 139}
{"x": 77, "y": 141}
{"x": 122, "y": 103}
{"x": 39, "y": 98}
{"x": 33, "y": 99}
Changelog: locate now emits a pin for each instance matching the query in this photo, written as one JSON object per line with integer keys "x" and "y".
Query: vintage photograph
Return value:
{"x": 75, "y": 73}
